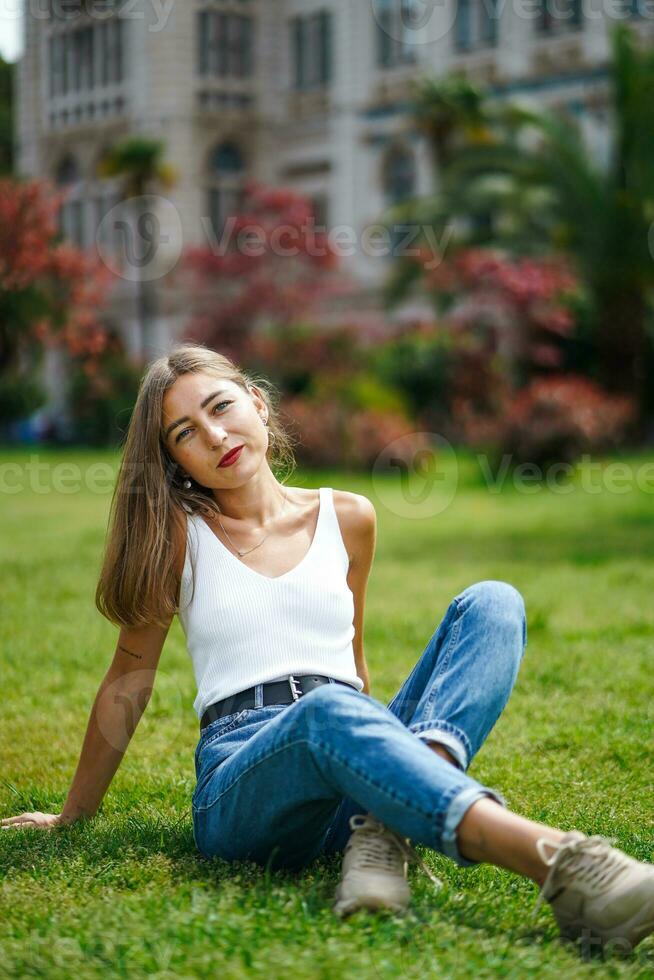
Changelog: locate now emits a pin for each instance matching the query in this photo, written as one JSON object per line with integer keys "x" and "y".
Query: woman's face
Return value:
{"x": 204, "y": 417}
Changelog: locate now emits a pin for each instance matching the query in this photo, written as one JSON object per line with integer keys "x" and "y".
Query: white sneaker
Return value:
{"x": 375, "y": 868}
{"x": 597, "y": 890}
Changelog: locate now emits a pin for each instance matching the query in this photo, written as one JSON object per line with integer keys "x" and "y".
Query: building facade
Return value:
{"x": 309, "y": 94}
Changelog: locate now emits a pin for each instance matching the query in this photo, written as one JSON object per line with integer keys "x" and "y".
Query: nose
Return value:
{"x": 214, "y": 434}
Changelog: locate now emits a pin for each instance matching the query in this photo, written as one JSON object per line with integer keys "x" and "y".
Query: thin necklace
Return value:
{"x": 241, "y": 553}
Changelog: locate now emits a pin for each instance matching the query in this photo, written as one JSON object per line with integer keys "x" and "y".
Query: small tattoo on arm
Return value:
{"x": 125, "y": 650}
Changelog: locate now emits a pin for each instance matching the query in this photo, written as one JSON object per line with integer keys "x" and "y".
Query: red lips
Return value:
{"x": 231, "y": 456}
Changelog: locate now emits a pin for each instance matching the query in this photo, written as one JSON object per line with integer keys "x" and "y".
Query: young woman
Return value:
{"x": 295, "y": 757}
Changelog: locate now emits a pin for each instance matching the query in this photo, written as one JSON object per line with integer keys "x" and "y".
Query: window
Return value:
{"x": 83, "y": 78}
{"x": 71, "y": 214}
{"x": 397, "y": 22}
{"x": 311, "y": 50}
{"x": 476, "y": 24}
{"x": 112, "y": 69}
{"x": 225, "y": 185}
{"x": 224, "y": 44}
{"x": 558, "y": 15}
{"x": 320, "y": 204}
{"x": 86, "y": 57}
{"x": 399, "y": 184}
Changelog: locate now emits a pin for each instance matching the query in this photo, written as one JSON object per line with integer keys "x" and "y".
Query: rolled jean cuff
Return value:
{"x": 454, "y": 815}
{"x": 454, "y": 740}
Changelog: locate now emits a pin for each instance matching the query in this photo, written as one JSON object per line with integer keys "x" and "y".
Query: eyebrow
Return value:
{"x": 185, "y": 418}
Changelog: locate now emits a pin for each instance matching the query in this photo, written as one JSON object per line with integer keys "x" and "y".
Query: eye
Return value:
{"x": 217, "y": 405}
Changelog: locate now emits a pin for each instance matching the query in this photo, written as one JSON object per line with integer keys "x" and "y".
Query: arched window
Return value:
{"x": 225, "y": 183}
{"x": 399, "y": 184}
{"x": 67, "y": 171}
{"x": 71, "y": 215}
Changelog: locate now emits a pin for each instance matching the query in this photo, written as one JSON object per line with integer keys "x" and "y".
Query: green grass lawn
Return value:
{"x": 128, "y": 893}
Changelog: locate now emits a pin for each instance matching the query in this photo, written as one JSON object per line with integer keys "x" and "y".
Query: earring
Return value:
{"x": 271, "y": 434}
{"x": 187, "y": 484}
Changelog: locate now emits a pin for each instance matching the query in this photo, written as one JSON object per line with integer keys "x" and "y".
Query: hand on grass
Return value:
{"x": 44, "y": 821}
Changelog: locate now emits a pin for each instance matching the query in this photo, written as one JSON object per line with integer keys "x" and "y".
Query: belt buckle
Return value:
{"x": 296, "y": 690}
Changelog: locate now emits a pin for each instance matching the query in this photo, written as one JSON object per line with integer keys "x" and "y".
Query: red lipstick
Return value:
{"x": 231, "y": 456}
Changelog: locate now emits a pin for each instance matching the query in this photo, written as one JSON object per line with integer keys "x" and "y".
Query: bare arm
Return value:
{"x": 119, "y": 704}
{"x": 117, "y": 709}
{"x": 362, "y": 534}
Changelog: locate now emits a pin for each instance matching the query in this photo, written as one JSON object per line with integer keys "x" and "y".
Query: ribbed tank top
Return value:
{"x": 244, "y": 628}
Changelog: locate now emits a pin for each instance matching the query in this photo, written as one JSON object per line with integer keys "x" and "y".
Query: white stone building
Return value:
{"x": 310, "y": 94}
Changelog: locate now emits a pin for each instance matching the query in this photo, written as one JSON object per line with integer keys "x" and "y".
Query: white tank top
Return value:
{"x": 244, "y": 628}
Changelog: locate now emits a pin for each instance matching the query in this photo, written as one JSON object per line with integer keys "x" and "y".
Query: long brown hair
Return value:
{"x": 138, "y": 581}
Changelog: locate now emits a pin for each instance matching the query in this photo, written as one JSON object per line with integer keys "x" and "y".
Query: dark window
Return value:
{"x": 558, "y": 15}
{"x": 476, "y": 24}
{"x": 224, "y": 44}
{"x": 396, "y": 31}
{"x": 297, "y": 48}
{"x": 311, "y": 50}
{"x": 226, "y": 180}
{"x": 67, "y": 172}
{"x": 399, "y": 179}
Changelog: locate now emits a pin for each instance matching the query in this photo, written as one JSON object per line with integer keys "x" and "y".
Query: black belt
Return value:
{"x": 275, "y": 692}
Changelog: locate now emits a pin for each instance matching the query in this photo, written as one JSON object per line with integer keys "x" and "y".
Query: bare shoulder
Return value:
{"x": 357, "y": 518}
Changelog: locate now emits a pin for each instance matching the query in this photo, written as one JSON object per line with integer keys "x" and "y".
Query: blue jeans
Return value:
{"x": 278, "y": 784}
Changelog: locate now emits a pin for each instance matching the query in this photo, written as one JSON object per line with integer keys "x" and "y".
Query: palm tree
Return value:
{"x": 447, "y": 109}
{"x": 140, "y": 163}
{"x": 542, "y": 188}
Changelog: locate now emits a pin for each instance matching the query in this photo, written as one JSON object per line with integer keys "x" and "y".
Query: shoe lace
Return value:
{"x": 591, "y": 862}
{"x": 379, "y": 847}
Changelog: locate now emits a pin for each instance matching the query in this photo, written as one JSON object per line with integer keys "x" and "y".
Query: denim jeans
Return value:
{"x": 278, "y": 784}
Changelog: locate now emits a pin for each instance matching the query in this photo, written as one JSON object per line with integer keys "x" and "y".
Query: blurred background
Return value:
{"x": 412, "y": 217}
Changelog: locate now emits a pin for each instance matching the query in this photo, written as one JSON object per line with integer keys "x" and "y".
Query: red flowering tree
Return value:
{"x": 560, "y": 416}
{"x": 49, "y": 294}
{"x": 520, "y": 306}
{"x": 271, "y": 265}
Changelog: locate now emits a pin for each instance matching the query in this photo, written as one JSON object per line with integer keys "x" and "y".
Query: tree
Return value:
{"x": 276, "y": 268}
{"x": 448, "y": 109}
{"x": 49, "y": 294}
{"x": 140, "y": 163}
{"x": 543, "y": 189}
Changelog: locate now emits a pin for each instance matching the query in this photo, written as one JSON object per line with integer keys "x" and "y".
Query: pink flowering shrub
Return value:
{"x": 522, "y": 303}
{"x": 557, "y": 418}
{"x": 331, "y": 434}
